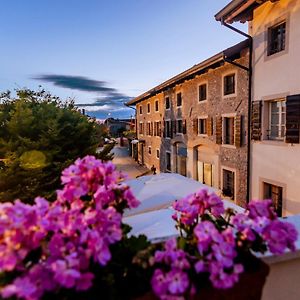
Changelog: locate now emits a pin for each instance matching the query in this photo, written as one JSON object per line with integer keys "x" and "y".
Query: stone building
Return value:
{"x": 196, "y": 123}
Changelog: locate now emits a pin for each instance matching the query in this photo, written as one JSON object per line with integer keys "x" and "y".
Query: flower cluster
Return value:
{"x": 195, "y": 205}
{"x": 171, "y": 279}
{"x": 216, "y": 241}
{"x": 260, "y": 222}
{"x": 217, "y": 251}
{"x": 51, "y": 246}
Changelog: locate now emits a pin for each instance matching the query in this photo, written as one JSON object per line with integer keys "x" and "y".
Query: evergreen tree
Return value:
{"x": 39, "y": 136}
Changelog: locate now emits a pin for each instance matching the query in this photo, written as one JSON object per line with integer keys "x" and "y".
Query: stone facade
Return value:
{"x": 197, "y": 150}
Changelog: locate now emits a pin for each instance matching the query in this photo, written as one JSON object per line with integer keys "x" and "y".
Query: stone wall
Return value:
{"x": 221, "y": 156}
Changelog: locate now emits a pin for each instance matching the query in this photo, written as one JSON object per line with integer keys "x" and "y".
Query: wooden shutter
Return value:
{"x": 256, "y": 120}
{"x": 195, "y": 126}
{"x": 209, "y": 126}
{"x": 237, "y": 131}
{"x": 184, "y": 126}
{"x": 292, "y": 119}
{"x": 219, "y": 130}
{"x": 163, "y": 128}
{"x": 173, "y": 128}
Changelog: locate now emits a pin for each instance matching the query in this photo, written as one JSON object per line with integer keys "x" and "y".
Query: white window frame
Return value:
{"x": 232, "y": 115}
{"x": 231, "y": 72}
{"x": 202, "y": 118}
{"x": 179, "y": 92}
{"x": 165, "y": 127}
{"x": 156, "y": 101}
{"x": 157, "y": 151}
{"x": 169, "y": 103}
{"x": 198, "y": 91}
{"x": 235, "y": 180}
{"x": 148, "y": 132}
{"x": 141, "y": 122}
{"x": 279, "y": 137}
{"x": 179, "y": 119}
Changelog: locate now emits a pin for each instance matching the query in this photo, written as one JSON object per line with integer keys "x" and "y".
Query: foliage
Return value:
{"x": 106, "y": 153}
{"x": 131, "y": 134}
{"x": 39, "y": 136}
{"x": 78, "y": 248}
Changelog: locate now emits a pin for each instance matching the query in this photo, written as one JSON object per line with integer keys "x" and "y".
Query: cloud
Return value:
{"x": 105, "y": 108}
{"x": 108, "y": 98}
{"x": 79, "y": 83}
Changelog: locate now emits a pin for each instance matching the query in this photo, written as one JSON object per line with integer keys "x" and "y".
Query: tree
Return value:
{"x": 40, "y": 135}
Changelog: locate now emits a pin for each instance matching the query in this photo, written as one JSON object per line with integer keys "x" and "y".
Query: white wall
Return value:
{"x": 273, "y": 77}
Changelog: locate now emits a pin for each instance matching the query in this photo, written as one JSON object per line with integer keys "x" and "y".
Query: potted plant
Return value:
{"x": 78, "y": 248}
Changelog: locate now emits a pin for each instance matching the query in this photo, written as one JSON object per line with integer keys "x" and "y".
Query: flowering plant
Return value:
{"x": 215, "y": 243}
{"x": 56, "y": 247}
{"x": 78, "y": 248}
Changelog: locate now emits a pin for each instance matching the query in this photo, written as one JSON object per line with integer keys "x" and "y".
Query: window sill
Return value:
{"x": 202, "y": 101}
{"x": 229, "y": 96}
{"x": 203, "y": 135}
{"x": 229, "y": 146}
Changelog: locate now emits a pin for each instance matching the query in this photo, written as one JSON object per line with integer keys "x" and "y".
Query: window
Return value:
{"x": 168, "y": 161}
{"x": 148, "y": 108}
{"x": 168, "y": 103}
{"x": 179, "y": 128}
{"x": 141, "y": 110}
{"x": 149, "y": 150}
{"x": 274, "y": 193}
{"x": 157, "y": 153}
{"x": 228, "y": 183}
{"x": 277, "y": 116}
{"x": 228, "y": 133}
{"x": 156, "y": 105}
{"x": 179, "y": 99}
{"x": 276, "y": 38}
{"x": 168, "y": 129}
{"x": 205, "y": 173}
{"x": 202, "y": 92}
{"x": 149, "y": 128}
{"x": 141, "y": 128}
{"x": 229, "y": 84}
{"x": 157, "y": 128}
{"x": 202, "y": 126}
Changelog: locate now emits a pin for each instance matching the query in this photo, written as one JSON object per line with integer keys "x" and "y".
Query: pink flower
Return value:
{"x": 178, "y": 282}
{"x": 261, "y": 208}
{"x": 159, "y": 282}
{"x": 279, "y": 236}
{"x": 205, "y": 232}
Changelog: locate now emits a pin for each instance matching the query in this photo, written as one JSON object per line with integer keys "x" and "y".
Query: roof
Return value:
{"x": 239, "y": 10}
{"x": 215, "y": 61}
{"x": 153, "y": 217}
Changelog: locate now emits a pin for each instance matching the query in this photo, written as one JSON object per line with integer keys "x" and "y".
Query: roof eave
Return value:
{"x": 211, "y": 62}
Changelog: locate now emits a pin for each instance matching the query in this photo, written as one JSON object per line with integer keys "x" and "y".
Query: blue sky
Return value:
{"x": 105, "y": 51}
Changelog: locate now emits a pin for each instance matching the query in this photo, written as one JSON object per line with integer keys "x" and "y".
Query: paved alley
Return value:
{"x": 127, "y": 164}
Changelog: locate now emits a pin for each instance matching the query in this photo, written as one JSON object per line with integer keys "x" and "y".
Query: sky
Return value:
{"x": 104, "y": 53}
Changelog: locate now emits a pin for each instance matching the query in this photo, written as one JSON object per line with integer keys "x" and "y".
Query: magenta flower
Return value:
{"x": 279, "y": 236}
{"x": 178, "y": 282}
{"x": 159, "y": 282}
{"x": 261, "y": 208}
{"x": 205, "y": 232}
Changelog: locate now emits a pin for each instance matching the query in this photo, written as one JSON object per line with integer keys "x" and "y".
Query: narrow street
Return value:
{"x": 127, "y": 164}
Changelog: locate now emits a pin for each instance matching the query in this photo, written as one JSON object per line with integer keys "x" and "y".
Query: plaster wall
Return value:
{"x": 276, "y": 76}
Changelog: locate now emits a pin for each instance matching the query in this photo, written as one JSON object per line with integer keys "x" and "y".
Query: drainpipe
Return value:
{"x": 249, "y": 101}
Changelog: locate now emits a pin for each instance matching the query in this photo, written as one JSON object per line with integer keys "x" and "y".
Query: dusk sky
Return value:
{"x": 105, "y": 51}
